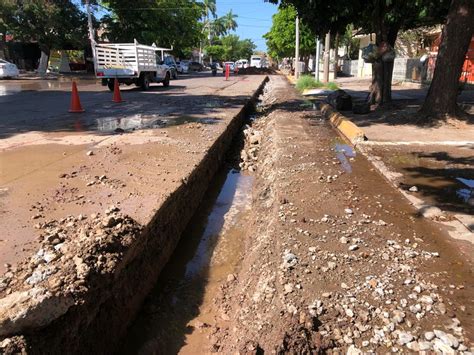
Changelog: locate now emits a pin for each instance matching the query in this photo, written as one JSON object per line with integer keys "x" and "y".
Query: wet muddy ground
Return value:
{"x": 325, "y": 256}
{"x": 443, "y": 176}
{"x": 54, "y": 164}
{"x": 207, "y": 255}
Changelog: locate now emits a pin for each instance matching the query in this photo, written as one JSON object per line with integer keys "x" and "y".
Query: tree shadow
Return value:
{"x": 160, "y": 107}
{"x": 404, "y": 109}
{"x": 440, "y": 185}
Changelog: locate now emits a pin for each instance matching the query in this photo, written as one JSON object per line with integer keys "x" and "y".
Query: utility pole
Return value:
{"x": 89, "y": 23}
{"x": 297, "y": 48}
{"x": 327, "y": 46}
{"x": 317, "y": 58}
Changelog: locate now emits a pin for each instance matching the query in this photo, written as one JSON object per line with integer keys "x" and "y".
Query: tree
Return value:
{"x": 51, "y": 23}
{"x": 382, "y": 17}
{"x": 441, "y": 100}
{"x": 231, "y": 47}
{"x": 281, "y": 37}
{"x": 215, "y": 51}
{"x": 229, "y": 22}
{"x": 164, "y": 22}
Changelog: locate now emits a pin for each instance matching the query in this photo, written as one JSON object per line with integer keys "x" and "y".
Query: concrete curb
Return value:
{"x": 345, "y": 126}
{"x": 355, "y": 135}
{"x": 291, "y": 79}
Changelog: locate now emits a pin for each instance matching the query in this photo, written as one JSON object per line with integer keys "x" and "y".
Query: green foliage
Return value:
{"x": 215, "y": 51}
{"x": 306, "y": 82}
{"x": 332, "y": 86}
{"x": 352, "y": 44}
{"x": 53, "y": 24}
{"x": 384, "y": 18}
{"x": 164, "y": 22}
{"x": 231, "y": 47}
{"x": 281, "y": 38}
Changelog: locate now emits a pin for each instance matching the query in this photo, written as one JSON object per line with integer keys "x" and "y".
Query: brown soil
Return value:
{"x": 257, "y": 71}
{"x": 334, "y": 259}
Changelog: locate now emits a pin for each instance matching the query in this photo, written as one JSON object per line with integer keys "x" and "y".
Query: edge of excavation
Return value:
{"x": 95, "y": 314}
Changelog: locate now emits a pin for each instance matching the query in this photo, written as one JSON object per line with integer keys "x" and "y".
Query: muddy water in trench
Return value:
{"x": 207, "y": 253}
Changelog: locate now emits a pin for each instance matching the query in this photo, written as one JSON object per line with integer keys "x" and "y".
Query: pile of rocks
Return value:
{"x": 386, "y": 304}
{"x": 73, "y": 250}
{"x": 249, "y": 155}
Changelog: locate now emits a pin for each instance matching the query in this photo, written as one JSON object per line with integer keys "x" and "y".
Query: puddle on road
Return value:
{"x": 16, "y": 86}
{"x": 207, "y": 253}
{"x": 466, "y": 193}
{"x": 147, "y": 121}
{"x": 344, "y": 153}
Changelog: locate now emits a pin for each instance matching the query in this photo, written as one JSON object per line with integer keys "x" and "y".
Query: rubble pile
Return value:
{"x": 253, "y": 132}
{"x": 74, "y": 250}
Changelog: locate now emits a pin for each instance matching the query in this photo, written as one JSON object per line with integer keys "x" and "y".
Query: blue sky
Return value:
{"x": 254, "y": 18}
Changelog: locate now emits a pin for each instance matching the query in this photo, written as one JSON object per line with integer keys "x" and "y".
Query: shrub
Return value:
{"x": 306, "y": 82}
{"x": 332, "y": 86}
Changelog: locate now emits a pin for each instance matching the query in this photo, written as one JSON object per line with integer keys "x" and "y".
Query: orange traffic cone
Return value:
{"x": 117, "y": 97}
{"x": 75, "y": 101}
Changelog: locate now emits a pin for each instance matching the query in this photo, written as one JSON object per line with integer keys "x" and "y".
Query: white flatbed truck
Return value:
{"x": 130, "y": 63}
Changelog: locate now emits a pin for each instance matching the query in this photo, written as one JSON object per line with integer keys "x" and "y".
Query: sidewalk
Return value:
{"x": 434, "y": 161}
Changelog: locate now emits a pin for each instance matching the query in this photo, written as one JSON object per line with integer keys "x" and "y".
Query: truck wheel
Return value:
{"x": 175, "y": 75}
{"x": 145, "y": 82}
{"x": 166, "y": 82}
{"x": 110, "y": 84}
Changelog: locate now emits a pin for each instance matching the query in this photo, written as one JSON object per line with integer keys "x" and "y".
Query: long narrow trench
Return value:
{"x": 206, "y": 256}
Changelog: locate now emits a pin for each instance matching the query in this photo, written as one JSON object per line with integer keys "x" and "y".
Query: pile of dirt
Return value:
{"x": 335, "y": 260}
{"x": 74, "y": 251}
{"x": 257, "y": 71}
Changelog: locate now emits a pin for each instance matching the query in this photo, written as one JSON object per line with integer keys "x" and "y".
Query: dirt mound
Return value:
{"x": 257, "y": 71}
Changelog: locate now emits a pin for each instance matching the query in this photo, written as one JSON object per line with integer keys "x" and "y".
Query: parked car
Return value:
{"x": 169, "y": 61}
{"x": 8, "y": 70}
{"x": 242, "y": 63}
{"x": 196, "y": 66}
{"x": 256, "y": 61}
{"x": 183, "y": 67}
{"x": 231, "y": 64}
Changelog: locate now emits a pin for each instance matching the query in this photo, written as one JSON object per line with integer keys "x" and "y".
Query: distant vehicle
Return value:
{"x": 196, "y": 66}
{"x": 8, "y": 70}
{"x": 242, "y": 63}
{"x": 231, "y": 64}
{"x": 169, "y": 61}
{"x": 182, "y": 67}
{"x": 130, "y": 63}
{"x": 256, "y": 61}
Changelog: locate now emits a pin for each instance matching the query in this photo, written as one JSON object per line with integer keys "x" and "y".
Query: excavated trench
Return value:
{"x": 206, "y": 256}
{"x": 205, "y": 212}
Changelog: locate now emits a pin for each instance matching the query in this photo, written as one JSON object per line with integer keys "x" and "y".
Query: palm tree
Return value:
{"x": 229, "y": 22}
{"x": 210, "y": 7}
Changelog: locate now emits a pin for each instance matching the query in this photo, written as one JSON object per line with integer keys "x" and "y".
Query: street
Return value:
{"x": 223, "y": 177}
{"x": 146, "y": 141}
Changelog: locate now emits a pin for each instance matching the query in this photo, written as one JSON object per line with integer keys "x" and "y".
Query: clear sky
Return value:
{"x": 254, "y": 18}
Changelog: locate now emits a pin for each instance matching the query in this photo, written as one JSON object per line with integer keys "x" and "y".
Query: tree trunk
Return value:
{"x": 441, "y": 100}
{"x": 382, "y": 71}
{"x": 43, "y": 64}
{"x": 336, "y": 54}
